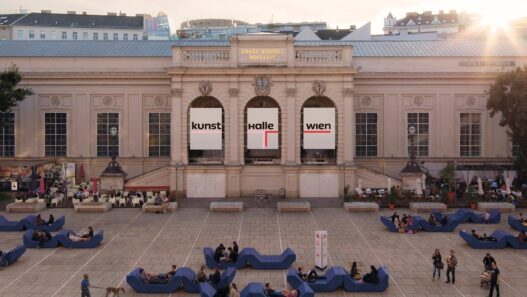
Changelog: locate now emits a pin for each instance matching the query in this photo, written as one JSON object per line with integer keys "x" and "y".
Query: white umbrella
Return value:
{"x": 418, "y": 189}
{"x": 508, "y": 186}
{"x": 423, "y": 183}
{"x": 359, "y": 183}
{"x": 480, "y": 186}
{"x": 389, "y": 184}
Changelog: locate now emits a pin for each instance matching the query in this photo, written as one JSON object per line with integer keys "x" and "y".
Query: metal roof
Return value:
{"x": 9, "y": 19}
{"x": 81, "y": 21}
{"x": 440, "y": 48}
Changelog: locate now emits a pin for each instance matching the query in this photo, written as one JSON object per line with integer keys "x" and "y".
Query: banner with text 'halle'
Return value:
{"x": 206, "y": 127}
{"x": 262, "y": 128}
{"x": 319, "y": 128}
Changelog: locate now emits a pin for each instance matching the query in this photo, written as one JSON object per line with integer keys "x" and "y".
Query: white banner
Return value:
{"x": 262, "y": 128}
{"x": 14, "y": 186}
{"x": 319, "y": 128}
{"x": 205, "y": 129}
{"x": 321, "y": 249}
{"x": 70, "y": 170}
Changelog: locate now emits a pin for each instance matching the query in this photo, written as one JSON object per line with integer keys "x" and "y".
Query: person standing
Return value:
{"x": 437, "y": 264}
{"x": 451, "y": 262}
{"x": 487, "y": 261}
{"x": 494, "y": 280}
{"x": 85, "y": 286}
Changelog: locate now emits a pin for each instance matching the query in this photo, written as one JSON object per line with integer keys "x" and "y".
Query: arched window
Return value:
{"x": 206, "y": 131}
{"x": 262, "y": 131}
{"x": 318, "y": 132}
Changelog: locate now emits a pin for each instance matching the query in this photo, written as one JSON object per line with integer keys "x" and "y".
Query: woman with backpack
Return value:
{"x": 437, "y": 264}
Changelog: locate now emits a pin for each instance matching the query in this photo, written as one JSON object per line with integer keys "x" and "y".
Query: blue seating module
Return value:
{"x": 30, "y": 243}
{"x": 495, "y": 217}
{"x": 516, "y": 224}
{"x": 352, "y": 285}
{"x": 29, "y": 223}
{"x": 14, "y": 254}
{"x": 6, "y": 225}
{"x": 449, "y": 227}
{"x": 63, "y": 239}
{"x": 188, "y": 276}
{"x": 329, "y": 282}
{"x": 134, "y": 280}
{"x": 251, "y": 257}
{"x": 500, "y": 235}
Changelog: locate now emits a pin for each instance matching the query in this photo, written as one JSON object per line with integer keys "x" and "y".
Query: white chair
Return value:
{"x": 41, "y": 200}
{"x": 76, "y": 200}
{"x": 104, "y": 198}
{"x": 126, "y": 194}
{"x": 150, "y": 200}
{"x": 71, "y": 193}
{"x": 18, "y": 200}
{"x": 149, "y": 193}
{"x": 112, "y": 200}
{"x": 55, "y": 200}
{"x": 368, "y": 191}
{"x": 122, "y": 201}
{"x": 136, "y": 201}
{"x": 163, "y": 194}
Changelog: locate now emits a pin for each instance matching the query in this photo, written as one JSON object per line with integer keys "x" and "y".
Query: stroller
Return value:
{"x": 485, "y": 278}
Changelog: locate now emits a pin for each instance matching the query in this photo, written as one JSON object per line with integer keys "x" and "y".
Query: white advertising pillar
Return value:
{"x": 321, "y": 249}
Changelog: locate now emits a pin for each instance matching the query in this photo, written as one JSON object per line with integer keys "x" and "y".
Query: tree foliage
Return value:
{"x": 508, "y": 99}
{"x": 10, "y": 93}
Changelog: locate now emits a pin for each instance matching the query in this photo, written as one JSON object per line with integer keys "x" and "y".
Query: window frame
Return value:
{"x": 470, "y": 135}
{"x": 55, "y": 149}
{"x": 159, "y": 135}
{"x": 107, "y": 136}
{"x": 417, "y": 134}
{"x": 12, "y": 136}
{"x": 367, "y": 145}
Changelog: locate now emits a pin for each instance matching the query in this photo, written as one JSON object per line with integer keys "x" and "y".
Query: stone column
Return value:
{"x": 176, "y": 147}
{"x": 233, "y": 158}
{"x": 348, "y": 129}
{"x": 290, "y": 142}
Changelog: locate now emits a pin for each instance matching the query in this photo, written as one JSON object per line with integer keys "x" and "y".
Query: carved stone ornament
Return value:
{"x": 262, "y": 85}
{"x": 107, "y": 100}
{"x": 365, "y": 101}
{"x": 418, "y": 100}
{"x": 159, "y": 101}
{"x": 55, "y": 101}
{"x": 348, "y": 91}
{"x": 470, "y": 100}
{"x": 205, "y": 87}
{"x": 290, "y": 91}
{"x": 319, "y": 87}
{"x": 233, "y": 92}
{"x": 177, "y": 92}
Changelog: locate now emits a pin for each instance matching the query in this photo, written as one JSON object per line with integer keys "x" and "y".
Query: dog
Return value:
{"x": 114, "y": 291}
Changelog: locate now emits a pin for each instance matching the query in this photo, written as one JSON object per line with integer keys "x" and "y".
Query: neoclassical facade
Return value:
{"x": 261, "y": 111}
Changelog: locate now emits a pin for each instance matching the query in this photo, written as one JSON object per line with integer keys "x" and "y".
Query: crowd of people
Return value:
{"x": 226, "y": 255}
{"x": 404, "y": 224}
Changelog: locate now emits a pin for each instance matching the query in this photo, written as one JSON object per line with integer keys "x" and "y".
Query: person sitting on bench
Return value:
{"x": 88, "y": 235}
{"x": 310, "y": 276}
{"x": 51, "y": 219}
{"x": 232, "y": 256}
{"x": 41, "y": 237}
{"x": 152, "y": 278}
{"x": 354, "y": 271}
{"x": 215, "y": 278}
{"x": 372, "y": 276}
{"x": 171, "y": 273}
{"x": 201, "y": 276}
{"x": 219, "y": 253}
{"x": 444, "y": 221}
{"x": 522, "y": 237}
{"x": 39, "y": 220}
{"x": 476, "y": 235}
{"x": 432, "y": 220}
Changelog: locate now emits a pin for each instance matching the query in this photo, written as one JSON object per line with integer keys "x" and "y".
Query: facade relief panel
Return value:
{"x": 418, "y": 101}
{"x": 470, "y": 101}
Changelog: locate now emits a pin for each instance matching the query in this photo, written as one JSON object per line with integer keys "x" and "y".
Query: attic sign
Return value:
{"x": 487, "y": 63}
{"x": 262, "y": 55}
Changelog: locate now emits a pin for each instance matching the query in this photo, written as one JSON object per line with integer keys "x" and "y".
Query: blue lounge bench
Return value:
{"x": 206, "y": 290}
{"x": 257, "y": 290}
{"x": 63, "y": 239}
{"x": 6, "y": 225}
{"x": 352, "y": 285}
{"x": 269, "y": 262}
{"x": 495, "y": 217}
{"x": 30, "y": 243}
{"x": 240, "y": 263}
{"x": 462, "y": 215}
{"x": 134, "y": 280}
{"x": 29, "y": 223}
{"x": 14, "y": 254}
{"x": 449, "y": 227}
{"x": 329, "y": 282}
{"x": 387, "y": 221}
{"x": 500, "y": 235}
{"x": 188, "y": 276}
{"x": 516, "y": 223}
{"x": 515, "y": 243}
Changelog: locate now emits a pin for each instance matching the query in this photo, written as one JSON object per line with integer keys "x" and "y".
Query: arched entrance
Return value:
{"x": 318, "y": 135}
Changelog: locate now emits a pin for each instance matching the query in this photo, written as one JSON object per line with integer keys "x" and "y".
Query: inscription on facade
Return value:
{"x": 262, "y": 55}
{"x": 487, "y": 63}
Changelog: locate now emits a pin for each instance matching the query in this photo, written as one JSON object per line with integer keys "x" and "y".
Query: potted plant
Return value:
{"x": 347, "y": 195}
{"x": 472, "y": 196}
{"x": 448, "y": 174}
{"x": 392, "y": 197}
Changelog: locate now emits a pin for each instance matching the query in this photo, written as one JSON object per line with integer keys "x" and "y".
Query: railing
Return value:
{"x": 205, "y": 56}
{"x": 318, "y": 56}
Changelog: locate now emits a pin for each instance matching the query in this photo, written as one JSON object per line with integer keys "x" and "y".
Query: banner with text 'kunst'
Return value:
{"x": 205, "y": 129}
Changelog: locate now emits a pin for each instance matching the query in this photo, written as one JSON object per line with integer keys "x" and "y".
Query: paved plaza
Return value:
{"x": 155, "y": 241}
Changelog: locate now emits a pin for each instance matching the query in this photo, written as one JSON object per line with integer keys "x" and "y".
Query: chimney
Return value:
{"x": 45, "y": 11}
{"x": 112, "y": 13}
{"x": 72, "y": 12}
{"x": 84, "y": 13}
{"x": 122, "y": 14}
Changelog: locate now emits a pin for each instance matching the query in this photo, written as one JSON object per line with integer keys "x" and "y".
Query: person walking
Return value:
{"x": 494, "y": 280}
{"x": 437, "y": 264}
{"x": 85, "y": 286}
{"x": 451, "y": 262}
{"x": 487, "y": 261}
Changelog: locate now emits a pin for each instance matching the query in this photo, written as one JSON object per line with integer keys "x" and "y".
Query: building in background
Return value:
{"x": 157, "y": 28}
{"x": 6, "y": 24}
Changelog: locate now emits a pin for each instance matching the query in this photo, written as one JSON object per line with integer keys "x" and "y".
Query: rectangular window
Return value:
{"x": 421, "y": 122}
{"x": 56, "y": 134}
{"x": 74, "y": 36}
{"x": 159, "y": 134}
{"x": 136, "y": 37}
{"x": 42, "y": 35}
{"x": 470, "y": 134}
{"x": 20, "y": 34}
{"x": 366, "y": 134}
{"x": 7, "y": 134}
{"x": 64, "y": 35}
{"x": 107, "y": 144}
{"x": 105, "y": 36}
{"x": 31, "y": 34}
{"x": 125, "y": 36}
{"x": 53, "y": 35}
{"x": 115, "y": 36}
{"x": 95, "y": 36}
{"x": 84, "y": 35}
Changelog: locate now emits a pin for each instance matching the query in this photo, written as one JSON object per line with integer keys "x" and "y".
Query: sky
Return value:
{"x": 337, "y": 13}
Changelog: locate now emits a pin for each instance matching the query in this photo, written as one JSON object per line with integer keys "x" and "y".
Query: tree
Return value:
{"x": 508, "y": 97}
{"x": 10, "y": 94}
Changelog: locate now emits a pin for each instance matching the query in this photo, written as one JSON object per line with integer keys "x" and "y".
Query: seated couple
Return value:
{"x": 84, "y": 237}
{"x": 41, "y": 237}
{"x": 370, "y": 277}
{"x": 157, "y": 278}
{"x": 270, "y": 292}
{"x": 484, "y": 237}
{"x": 213, "y": 278}
{"x": 432, "y": 220}
{"x": 40, "y": 222}
{"x": 226, "y": 256}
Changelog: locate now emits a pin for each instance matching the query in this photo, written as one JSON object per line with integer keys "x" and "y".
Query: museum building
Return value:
{"x": 259, "y": 111}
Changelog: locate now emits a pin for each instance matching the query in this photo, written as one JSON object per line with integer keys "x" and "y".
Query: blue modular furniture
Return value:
{"x": 387, "y": 221}
{"x": 29, "y": 223}
{"x": 515, "y": 243}
{"x": 500, "y": 235}
{"x": 516, "y": 224}
{"x": 188, "y": 276}
{"x": 352, "y": 285}
{"x": 449, "y": 227}
{"x": 206, "y": 290}
{"x": 14, "y": 254}
{"x": 30, "y": 243}
{"x": 6, "y": 225}
{"x": 257, "y": 290}
{"x": 251, "y": 257}
{"x": 134, "y": 280}
{"x": 63, "y": 239}
{"x": 329, "y": 282}
{"x": 269, "y": 262}
{"x": 462, "y": 215}
{"x": 495, "y": 217}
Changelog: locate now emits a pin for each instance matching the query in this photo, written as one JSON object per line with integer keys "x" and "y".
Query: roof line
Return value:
{"x": 16, "y": 21}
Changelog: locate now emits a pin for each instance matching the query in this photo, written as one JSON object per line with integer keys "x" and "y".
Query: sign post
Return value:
{"x": 321, "y": 249}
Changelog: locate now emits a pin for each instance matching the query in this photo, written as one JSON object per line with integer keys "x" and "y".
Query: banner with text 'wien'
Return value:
{"x": 205, "y": 129}
{"x": 262, "y": 128}
{"x": 319, "y": 128}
